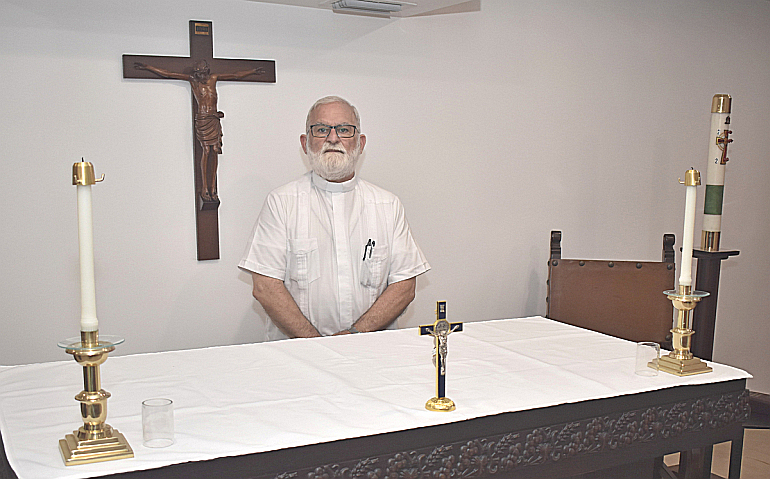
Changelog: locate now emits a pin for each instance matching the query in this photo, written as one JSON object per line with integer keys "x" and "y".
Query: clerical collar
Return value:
{"x": 332, "y": 187}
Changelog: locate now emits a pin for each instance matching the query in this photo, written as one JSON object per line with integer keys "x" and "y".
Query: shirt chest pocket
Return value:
{"x": 374, "y": 268}
{"x": 304, "y": 262}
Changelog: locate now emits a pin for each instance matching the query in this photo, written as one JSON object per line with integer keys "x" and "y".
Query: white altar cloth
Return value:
{"x": 252, "y": 398}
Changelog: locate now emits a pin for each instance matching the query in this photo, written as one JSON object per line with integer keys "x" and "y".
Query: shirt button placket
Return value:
{"x": 344, "y": 267}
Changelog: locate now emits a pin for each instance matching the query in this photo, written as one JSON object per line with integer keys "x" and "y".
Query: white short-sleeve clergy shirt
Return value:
{"x": 336, "y": 246}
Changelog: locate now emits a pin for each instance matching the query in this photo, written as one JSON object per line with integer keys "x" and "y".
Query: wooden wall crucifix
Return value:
{"x": 202, "y": 71}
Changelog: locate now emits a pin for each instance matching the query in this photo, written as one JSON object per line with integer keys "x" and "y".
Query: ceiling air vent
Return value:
{"x": 368, "y": 6}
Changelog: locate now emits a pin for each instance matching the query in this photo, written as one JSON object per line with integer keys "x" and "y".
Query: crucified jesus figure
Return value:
{"x": 208, "y": 129}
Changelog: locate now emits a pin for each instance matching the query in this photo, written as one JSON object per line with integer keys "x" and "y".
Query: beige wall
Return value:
{"x": 493, "y": 127}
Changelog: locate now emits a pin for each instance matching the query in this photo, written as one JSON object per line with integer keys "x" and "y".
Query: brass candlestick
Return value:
{"x": 95, "y": 440}
{"x": 681, "y": 361}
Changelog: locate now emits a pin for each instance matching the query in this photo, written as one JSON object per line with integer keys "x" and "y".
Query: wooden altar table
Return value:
{"x": 535, "y": 398}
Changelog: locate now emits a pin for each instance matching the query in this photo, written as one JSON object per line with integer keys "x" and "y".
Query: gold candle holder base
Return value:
{"x": 440, "y": 404}
{"x": 681, "y": 361}
{"x": 709, "y": 241}
{"x": 95, "y": 440}
{"x": 682, "y": 367}
{"x": 77, "y": 451}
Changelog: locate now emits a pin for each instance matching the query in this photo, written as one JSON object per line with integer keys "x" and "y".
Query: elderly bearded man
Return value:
{"x": 330, "y": 252}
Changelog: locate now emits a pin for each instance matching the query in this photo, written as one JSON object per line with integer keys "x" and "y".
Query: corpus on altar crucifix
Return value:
{"x": 202, "y": 71}
{"x": 440, "y": 331}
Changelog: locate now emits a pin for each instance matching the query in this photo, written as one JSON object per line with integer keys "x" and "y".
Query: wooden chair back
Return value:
{"x": 620, "y": 298}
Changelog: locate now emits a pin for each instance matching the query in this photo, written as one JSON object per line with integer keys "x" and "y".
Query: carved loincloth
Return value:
{"x": 208, "y": 129}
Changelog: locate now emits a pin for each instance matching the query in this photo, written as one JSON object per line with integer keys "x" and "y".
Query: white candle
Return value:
{"x": 715, "y": 174}
{"x": 88, "y": 321}
{"x": 692, "y": 179}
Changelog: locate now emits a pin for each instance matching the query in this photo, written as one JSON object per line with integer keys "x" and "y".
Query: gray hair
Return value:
{"x": 333, "y": 99}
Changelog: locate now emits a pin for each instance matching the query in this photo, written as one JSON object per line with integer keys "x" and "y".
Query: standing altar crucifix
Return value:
{"x": 440, "y": 330}
{"x": 202, "y": 71}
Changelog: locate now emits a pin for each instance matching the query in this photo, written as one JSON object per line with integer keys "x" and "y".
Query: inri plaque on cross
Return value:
{"x": 202, "y": 71}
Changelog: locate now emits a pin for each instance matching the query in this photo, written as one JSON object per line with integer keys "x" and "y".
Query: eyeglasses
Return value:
{"x": 319, "y": 130}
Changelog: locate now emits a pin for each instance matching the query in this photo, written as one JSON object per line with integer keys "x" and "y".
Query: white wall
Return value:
{"x": 493, "y": 127}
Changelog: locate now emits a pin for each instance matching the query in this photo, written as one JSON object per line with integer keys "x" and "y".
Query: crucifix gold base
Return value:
{"x": 95, "y": 440}
{"x": 440, "y": 404}
{"x": 681, "y": 361}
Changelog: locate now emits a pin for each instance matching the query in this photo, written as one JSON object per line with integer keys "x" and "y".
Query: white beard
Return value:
{"x": 334, "y": 166}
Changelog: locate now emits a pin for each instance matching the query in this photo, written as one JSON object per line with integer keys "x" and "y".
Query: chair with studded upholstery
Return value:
{"x": 620, "y": 298}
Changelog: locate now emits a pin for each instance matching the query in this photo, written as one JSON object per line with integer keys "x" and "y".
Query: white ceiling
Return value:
{"x": 410, "y": 8}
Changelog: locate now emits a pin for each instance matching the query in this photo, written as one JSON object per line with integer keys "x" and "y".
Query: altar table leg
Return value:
{"x": 693, "y": 464}
{"x": 707, "y": 456}
{"x": 736, "y": 456}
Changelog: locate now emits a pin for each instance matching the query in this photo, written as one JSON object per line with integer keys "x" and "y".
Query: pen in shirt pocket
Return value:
{"x": 369, "y": 245}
